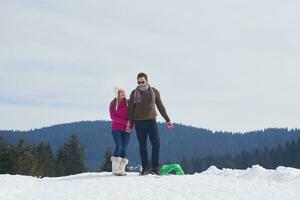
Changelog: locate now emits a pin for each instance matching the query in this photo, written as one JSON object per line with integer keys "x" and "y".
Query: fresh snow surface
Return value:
{"x": 255, "y": 183}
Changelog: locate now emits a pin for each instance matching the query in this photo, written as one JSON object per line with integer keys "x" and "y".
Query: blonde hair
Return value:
{"x": 117, "y": 97}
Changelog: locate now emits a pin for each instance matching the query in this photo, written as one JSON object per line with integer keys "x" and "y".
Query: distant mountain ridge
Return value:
{"x": 182, "y": 142}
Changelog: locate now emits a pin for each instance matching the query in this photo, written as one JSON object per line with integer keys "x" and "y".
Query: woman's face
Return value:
{"x": 121, "y": 94}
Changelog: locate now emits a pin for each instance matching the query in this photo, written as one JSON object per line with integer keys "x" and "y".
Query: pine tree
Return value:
{"x": 43, "y": 160}
{"x": 106, "y": 165}
{"x": 59, "y": 163}
{"x": 70, "y": 158}
{"x": 5, "y": 161}
{"x": 21, "y": 157}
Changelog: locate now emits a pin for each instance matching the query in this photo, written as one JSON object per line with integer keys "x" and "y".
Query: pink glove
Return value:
{"x": 170, "y": 125}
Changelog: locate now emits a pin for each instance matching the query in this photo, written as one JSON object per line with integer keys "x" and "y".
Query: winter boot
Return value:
{"x": 145, "y": 171}
{"x": 122, "y": 167}
{"x": 115, "y": 165}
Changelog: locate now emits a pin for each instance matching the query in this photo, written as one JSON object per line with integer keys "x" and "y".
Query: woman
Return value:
{"x": 118, "y": 114}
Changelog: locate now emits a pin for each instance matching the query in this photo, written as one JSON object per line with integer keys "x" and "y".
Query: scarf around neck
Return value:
{"x": 138, "y": 94}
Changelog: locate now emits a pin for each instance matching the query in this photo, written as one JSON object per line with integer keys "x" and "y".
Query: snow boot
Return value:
{"x": 115, "y": 165}
{"x": 122, "y": 167}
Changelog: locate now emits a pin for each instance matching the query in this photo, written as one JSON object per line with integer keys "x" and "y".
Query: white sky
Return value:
{"x": 223, "y": 65}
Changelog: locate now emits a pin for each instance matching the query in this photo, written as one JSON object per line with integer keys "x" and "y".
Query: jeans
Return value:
{"x": 145, "y": 128}
{"x": 121, "y": 139}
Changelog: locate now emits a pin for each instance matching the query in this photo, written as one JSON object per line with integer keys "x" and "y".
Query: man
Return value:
{"x": 142, "y": 113}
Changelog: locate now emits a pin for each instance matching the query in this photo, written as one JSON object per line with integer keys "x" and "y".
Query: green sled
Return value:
{"x": 167, "y": 169}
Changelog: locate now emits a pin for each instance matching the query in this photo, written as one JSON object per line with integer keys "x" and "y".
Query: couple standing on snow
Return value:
{"x": 138, "y": 111}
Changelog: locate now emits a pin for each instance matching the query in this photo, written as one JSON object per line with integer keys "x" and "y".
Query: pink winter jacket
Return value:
{"x": 119, "y": 116}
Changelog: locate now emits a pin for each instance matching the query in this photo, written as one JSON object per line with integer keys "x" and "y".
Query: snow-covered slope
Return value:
{"x": 254, "y": 184}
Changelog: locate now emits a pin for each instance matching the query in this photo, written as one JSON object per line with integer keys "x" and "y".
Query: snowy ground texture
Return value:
{"x": 255, "y": 183}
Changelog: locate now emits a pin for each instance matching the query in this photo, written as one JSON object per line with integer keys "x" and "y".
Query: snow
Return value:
{"x": 252, "y": 183}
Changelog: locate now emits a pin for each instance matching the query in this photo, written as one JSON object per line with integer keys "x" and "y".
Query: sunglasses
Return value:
{"x": 141, "y": 82}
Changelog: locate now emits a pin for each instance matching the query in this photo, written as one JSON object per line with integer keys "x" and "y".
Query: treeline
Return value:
{"x": 287, "y": 155}
{"x": 39, "y": 160}
{"x": 96, "y": 137}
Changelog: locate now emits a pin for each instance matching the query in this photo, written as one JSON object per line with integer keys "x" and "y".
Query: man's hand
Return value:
{"x": 170, "y": 125}
{"x": 128, "y": 128}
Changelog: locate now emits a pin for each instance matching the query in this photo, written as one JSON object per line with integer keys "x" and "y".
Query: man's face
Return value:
{"x": 142, "y": 81}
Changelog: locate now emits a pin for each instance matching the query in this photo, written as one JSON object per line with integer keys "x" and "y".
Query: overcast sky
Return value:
{"x": 223, "y": 65}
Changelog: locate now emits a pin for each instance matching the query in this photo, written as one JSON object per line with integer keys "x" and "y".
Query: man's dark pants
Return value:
{"x": 145, "y": 128}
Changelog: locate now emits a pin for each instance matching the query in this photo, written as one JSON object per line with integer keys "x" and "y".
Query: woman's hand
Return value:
{"x": 128, "y": 127}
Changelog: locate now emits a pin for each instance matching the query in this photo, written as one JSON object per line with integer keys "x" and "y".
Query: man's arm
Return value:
{"x": 160, "y": 106}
